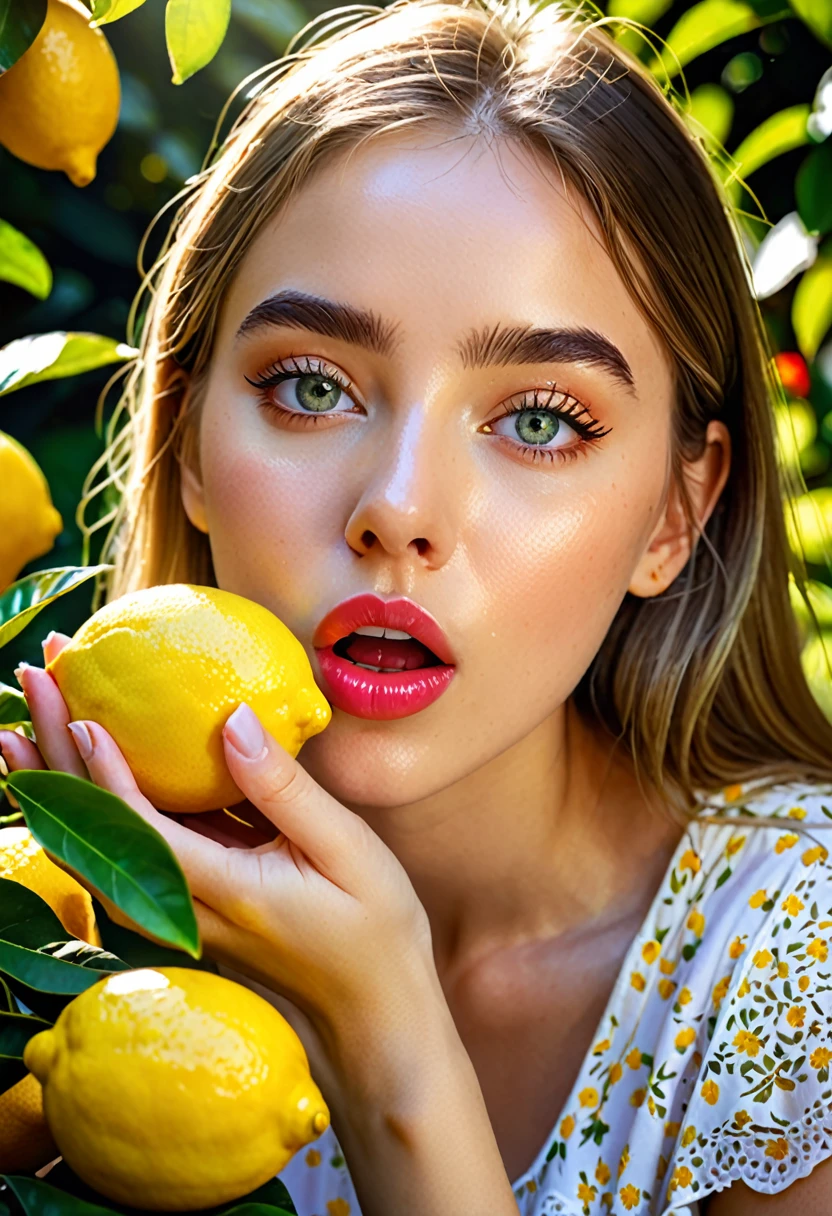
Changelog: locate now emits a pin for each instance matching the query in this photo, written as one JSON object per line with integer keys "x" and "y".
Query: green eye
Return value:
{"x": 316, "y": 392}
{"x": 537, "y": 426}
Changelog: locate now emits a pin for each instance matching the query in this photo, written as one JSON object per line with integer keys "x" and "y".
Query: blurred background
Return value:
{"x": 760, "y": 79}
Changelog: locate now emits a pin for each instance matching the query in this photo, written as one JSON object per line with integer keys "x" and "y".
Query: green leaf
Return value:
{"x": 38, "y": 1198}
{"x": 779, "y": 133}
{"x": 813, "y": 189}
{"x": 113, "y": 848}
{"x": 708, "y": 24}
{"x": 22, "y": 263}
{"x": 23, "y": 600}
{"x": 48, "y": 973}
{"x": 812, "y": 307}
{"x": 105, "y": 11}
{"x": 138, "y": 951}
{"x": 711, "y": 112}
{"x": 16, "y": 1029}
{"x": 56, "y": 355}
{"x": 194, "y": 30}
{"x": 20, "y": 22}
{"x": 818, "y": 16}
{"x": 13, "y": 707}
{"x": 25, "y": 918}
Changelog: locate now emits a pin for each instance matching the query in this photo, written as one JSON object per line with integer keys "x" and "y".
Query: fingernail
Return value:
{"x": 83, "y": 742}
{"x": 50, "y": 635}
{"x": 19, "y": 670}
{"x": 245, "y": 733}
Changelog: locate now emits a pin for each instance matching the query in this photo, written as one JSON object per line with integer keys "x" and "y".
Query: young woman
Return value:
{"x": 457, "y": 322}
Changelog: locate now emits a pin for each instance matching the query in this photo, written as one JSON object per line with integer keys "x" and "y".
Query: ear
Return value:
{"x": 190, "y": 479}
{"x": 671, "y": 543}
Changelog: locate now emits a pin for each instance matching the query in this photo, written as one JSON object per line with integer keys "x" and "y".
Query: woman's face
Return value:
{"x": 452, "y": 266}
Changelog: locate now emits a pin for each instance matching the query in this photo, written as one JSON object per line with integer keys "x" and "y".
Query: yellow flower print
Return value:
{"x": 531, "y": 1186}
{"x": 624, "y": 1160}
{"x": 313, "y": 1158}
{"x": 745, "y": 1041}
{"x": 661, "y": 1168}
{"x": 681, "y": 1177}
{"x": 338, "y": 1207}
{"x": 792, "y": 905}
{"x": 736, "y": 948}
{"x": 567, "y": 1127}
{"x": 606, "y": 1199}
{"x": 741, "y": 1118}
{"x": 762, "y": 958}
{"x": 710, "y": 1092}
{"x": 637, "y": 981}
{"x": 732, "y": 792}
{"x": 820, "y": 1057}
{"x": 667, "y": 966}
{"x": 672, "y": 1130}
{"x": 758, "y": 898}
{"x": 602, "y": 1173}
{"x": 600, "y": 1048}
{"x": 685, "y": 996}
{"x": 689, "y": 1136}
{"x": 666, "y": 989}
{"x": 651, "y": 1105}
{"x": 637, "y": 1097}
{"x": 825, "y": 924}
{"x": 588, "y": 1096}
{"x": 586, "y": 1193}
{"x": 684, "y": 1038}
{"x": 744, "y": 988}
{"x": 629, "y": 1196}
{"x": 818, "y": 949}
{"x": 650, "y": 951}
{"x": 786, "y": 842}
{"x": 797, "y": 812}
{"x": 634, "y": 1059}
{"x": 720, "y": 991}
{"x": 616, "y": 1072}
{"x": 690, "y": 861}
{"x": 796, "y": 1015}
{"x": 803, "y": 983}
{"x": 783, "y": 971}
{"x": 818, "y": 853}
{"x": 734, "y": 845}
{"x": 696, "y": 922}
{"x": 778, "y": 1149}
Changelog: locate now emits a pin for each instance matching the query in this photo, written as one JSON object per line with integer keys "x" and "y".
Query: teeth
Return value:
{"x": 378, "y": 631}
{"x": 367, "y": 666}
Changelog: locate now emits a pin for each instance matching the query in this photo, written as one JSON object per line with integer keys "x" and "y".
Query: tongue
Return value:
{"x": 387, "y": 652}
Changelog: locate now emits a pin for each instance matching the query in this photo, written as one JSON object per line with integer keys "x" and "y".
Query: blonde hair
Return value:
{"x": 703, "y": 682}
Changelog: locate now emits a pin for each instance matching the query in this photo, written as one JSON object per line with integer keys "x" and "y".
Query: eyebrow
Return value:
{"x": 498, "y": 346}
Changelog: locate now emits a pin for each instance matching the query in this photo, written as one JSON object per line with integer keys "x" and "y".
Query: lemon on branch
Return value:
{"x": 59, "y": 103}
{"x": 161, "y": 669}
{"x": 28, "y": 521}
{"x": 173, "y": 1089}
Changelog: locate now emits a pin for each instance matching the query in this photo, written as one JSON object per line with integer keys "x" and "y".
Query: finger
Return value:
{"x": 50, "y": 718}
{"x": 19, "y": 752}
{"x": 203, "y": 861}
{"x": 286, "y": 794}
{"x": 53, "y": 644}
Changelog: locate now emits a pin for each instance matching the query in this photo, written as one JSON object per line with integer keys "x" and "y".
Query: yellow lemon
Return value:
{"x": 172, "y": 1089}
{"x": 22, "y": 859}
{"x": 28, "y": 521}
{"x": 59, "y": 103}
{"x": 162, "y": 669}
{"x": 25, "y": 1140}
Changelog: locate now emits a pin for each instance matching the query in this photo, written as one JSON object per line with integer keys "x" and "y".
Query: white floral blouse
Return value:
{"x": 711, "y": 1061}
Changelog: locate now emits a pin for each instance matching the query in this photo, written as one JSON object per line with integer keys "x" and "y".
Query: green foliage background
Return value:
{"x": 91, "y": 236}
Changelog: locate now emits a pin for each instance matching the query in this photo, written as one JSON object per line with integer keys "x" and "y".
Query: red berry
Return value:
{"x": 793, "y": 373}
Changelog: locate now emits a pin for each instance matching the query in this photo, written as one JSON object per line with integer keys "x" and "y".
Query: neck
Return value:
{"x": 550, "y": 837}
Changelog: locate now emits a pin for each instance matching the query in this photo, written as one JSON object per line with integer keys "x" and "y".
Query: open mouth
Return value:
{"x": 386, "y": 650}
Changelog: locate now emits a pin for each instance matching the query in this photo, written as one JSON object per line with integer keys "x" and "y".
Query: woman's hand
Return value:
{"x": 324, "y": 914}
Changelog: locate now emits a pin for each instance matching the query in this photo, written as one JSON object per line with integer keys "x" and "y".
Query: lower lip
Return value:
{"x": 380, "y": 695}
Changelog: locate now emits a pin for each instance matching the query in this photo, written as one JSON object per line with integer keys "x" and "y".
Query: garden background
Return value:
{"x": 759, "y": 73}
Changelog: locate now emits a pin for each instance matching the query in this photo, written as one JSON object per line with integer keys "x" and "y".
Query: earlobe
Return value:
{"x": 193, "y": 498}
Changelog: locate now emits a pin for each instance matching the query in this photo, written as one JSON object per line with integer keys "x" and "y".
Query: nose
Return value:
{"x": 408, "y": 506}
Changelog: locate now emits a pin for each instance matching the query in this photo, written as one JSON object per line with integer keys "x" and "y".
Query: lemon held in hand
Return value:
{"x": 59, "y": 103}
{"x": 28, "y": 521}
{"x": 162, "y": 669}
{"x": 173, "y": 1089}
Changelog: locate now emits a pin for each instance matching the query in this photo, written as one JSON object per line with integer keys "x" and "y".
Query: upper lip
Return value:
{"x": 370, "y": 609}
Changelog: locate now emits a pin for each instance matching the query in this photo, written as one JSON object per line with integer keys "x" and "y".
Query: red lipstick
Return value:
{"x": 366, "y": 632}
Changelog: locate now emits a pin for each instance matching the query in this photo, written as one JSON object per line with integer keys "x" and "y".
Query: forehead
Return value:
{"x": 441, "y": 233}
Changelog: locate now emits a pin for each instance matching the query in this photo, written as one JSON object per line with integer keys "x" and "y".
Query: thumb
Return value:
{"x": 302, "y": 810}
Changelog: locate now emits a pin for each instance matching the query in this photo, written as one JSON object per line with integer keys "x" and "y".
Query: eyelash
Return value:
{"x": 589, "y": 432}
